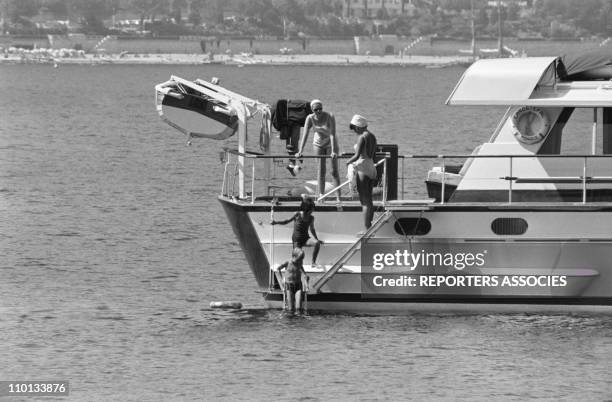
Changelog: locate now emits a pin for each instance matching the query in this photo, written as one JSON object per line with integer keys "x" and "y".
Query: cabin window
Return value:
{"x": 412, "y": 226}
{"x": 509, "y": 226}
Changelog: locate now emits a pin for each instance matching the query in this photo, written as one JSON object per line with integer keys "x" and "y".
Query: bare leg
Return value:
{"x": 315, "y": 251}
{"x": 321, "y": 179}
{"x": 298, "y": 301}
{"x": 370, "y": 206}
{"x": 364, "y": 187}
{"x": 291, "y": 300}
{"x": 336, "y": 176}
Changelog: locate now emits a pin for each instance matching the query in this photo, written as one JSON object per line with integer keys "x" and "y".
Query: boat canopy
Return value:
{"x": 502, "y": 81}
{"x": 579, "y": 80}
{"x": 586, "y": 66}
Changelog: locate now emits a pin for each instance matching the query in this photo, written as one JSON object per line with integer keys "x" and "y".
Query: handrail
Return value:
{"x": 381, "y": 220}
{"x": 257, "y": 155}
{"x": 322, "y": 197}
{"x": 585, "y": 179}
{"x": 441, "y": 156}
{"x": 415, "y": 156}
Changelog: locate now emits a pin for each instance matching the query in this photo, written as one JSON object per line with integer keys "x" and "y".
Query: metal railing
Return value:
{"x": 512, "y": 179}
{"x": 231, "y": 168}
{"x": 582, "y": 177}
{"x": 348, "y": 181}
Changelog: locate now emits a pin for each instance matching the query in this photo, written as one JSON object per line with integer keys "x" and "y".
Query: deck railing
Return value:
{"x": 273, "y": 183}
{"x": 582, "y": 177}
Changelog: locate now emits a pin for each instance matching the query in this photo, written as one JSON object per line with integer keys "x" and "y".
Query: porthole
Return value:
{"x": 412, "y": 226}
{"x": 509, "y": 226}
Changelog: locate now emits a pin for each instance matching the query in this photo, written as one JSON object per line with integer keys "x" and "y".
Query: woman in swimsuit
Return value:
{"x": 363, "y": 165}
{"x": 323, "y": 124}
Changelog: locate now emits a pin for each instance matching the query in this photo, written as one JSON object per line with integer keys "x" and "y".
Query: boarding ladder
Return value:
{"x": 380, "y": 221}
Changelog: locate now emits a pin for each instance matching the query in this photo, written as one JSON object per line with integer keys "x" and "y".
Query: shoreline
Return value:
{"x": 244, "y": 59}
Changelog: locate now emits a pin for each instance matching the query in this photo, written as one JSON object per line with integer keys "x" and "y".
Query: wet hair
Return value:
{"x": 307, "y": 205}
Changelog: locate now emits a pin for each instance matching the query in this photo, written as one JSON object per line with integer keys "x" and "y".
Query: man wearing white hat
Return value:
{"x": 362, "y": 166}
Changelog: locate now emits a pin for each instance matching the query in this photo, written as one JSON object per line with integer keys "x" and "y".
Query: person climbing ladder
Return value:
{"x": 296, "y": 281}
{"x": 304, "y": 222}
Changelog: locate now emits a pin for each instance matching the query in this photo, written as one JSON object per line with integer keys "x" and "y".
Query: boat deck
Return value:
{"x": 347, "y": 204}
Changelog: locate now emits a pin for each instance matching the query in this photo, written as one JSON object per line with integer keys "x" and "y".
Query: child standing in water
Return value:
{"x": 296, "y": 280}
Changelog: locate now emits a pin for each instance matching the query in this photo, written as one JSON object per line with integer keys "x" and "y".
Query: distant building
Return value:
{"x": 374, "y": 8}
{"x": 520, "y": 3}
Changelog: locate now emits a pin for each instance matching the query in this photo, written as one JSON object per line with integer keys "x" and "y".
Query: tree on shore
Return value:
{"x": 543, "y": 18}
{"x": 12, "y": 10}
{"x": 148, "y": 8}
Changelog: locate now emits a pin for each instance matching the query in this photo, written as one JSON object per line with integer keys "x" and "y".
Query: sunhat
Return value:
{"x": 358, "y": 121}
{"x": 314, "y": 103}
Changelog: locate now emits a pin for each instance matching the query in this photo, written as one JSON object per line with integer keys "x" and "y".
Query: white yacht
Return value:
{"x": 517, "y": 225}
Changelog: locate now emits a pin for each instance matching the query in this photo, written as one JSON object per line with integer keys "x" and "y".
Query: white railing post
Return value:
{"x": 242, "y": 139}
{"x": 253, "y": 182}
{"x": 584, "y": 176}
{"x": 594, "y": 133}
{"x": 403, "y": 177}
{"x": 443, "y": 180}
{"x": 271, "y": 271}
{"x": 384, "y": 197}
{"x": 510, "y": 183}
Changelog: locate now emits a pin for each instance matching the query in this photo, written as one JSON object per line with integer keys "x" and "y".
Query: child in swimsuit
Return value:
{"x": 296, "y": 280}
{"x": 304, "y": 221}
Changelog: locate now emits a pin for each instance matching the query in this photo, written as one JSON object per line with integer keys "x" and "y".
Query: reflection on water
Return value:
{"x": 113, "y": 245}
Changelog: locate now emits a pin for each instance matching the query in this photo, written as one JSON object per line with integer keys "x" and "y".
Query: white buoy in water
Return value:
{"x": 226, "y": 304}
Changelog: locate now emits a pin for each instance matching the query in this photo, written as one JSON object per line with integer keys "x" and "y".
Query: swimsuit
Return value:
{"x": 366, "y": 165}
{"x": 300, "y": 230}
{"x": 322, "y": 132}
{"x": 293, "y": 277}
{"x": 293, "y": 287}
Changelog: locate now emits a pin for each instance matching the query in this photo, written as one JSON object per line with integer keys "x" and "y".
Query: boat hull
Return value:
{"x": 559, "y": 262}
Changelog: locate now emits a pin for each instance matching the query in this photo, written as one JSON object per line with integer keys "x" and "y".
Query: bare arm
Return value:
{"x": 332, "y": 134}
{"x": 285, "y": 221}
{"x": 360, "y": 145}
{"x": 307, "y": 126}
{"x": 283, "y": 265}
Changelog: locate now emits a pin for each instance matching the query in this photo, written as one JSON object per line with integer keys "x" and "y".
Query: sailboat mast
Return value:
{"x": 473, "y": 33}
{"x": 500, "y": 40}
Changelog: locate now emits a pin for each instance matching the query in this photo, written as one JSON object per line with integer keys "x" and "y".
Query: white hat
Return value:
{"x": 314, "y": 103}
{"x": 359, "y": 121}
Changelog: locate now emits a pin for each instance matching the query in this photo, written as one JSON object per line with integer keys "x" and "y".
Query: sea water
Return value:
{"x": 113, "y": 244}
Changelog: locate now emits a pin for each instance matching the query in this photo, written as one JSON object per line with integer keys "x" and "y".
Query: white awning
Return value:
{"x": 508, "y": 81}
{"x": 573, "y": 94}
